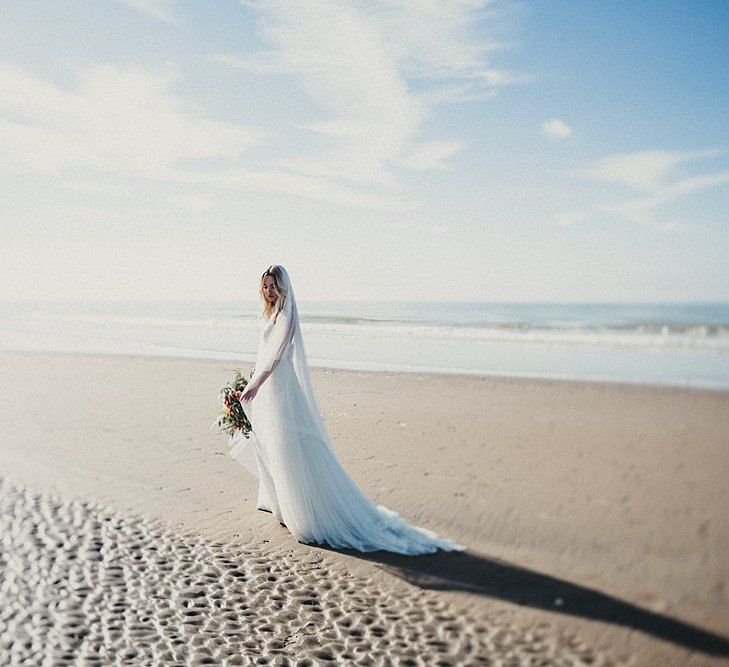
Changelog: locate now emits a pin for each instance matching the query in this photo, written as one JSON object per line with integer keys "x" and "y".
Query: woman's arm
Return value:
{"x": 281, "y": 336}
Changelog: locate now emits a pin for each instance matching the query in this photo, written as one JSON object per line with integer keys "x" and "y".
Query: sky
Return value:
{"x": 411, "y": 149}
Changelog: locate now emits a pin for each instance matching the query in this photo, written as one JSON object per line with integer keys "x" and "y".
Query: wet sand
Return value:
{"x": 596, "y": 516}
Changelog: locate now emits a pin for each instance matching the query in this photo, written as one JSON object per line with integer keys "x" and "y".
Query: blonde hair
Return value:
{"x": 272, "y": 308}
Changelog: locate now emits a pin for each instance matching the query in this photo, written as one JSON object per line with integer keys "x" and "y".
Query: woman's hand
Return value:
{"x": 247, "y": 394}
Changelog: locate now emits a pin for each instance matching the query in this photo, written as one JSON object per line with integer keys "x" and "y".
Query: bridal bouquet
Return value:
{"x": 232, "y": 418}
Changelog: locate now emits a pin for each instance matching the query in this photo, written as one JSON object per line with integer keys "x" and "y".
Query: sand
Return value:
{"x": 596, "y": 517}
{"x": 83, "y": 583}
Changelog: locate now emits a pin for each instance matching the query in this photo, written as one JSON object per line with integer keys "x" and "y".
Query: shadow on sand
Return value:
{"x": 495, "y": 578}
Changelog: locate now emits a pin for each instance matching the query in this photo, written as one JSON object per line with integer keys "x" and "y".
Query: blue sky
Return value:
{"x": 558, "y": 151}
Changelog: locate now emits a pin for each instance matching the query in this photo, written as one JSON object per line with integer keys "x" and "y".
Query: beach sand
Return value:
{"x": 596, "y": 517}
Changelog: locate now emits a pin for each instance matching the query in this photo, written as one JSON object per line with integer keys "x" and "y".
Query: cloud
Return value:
{"x": 455, "y": 93}
{"x": 496, "y": 77}
{"x": 159, "y": 9}
{"x": 97, "y": 189}
{"x": 122, "y": 121}
{"x": 641, "y": 206}
{"x": 641, "y": 171}
{"x": 556, "y": 129}
{"x": 342, "y": 62}
{"x": 434, "y": 39}
{"x": 648, "y": 173}
{"x": 358, "y": 63}
{"x": 300, "y": 185}
{"x": 566, "y": 219}
{"x": 430, "y": 155}
{"x": 371, "y": 73}
{"x": 263, "y": 62}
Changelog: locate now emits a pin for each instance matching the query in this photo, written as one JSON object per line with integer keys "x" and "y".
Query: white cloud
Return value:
{"x": 566, "y": 219}
{"x": 125, "y": 123}
{"x": 342, "y": 61}
{"x": 641, "y": 171}
{"x": 556, "y": 129}
{"x": 263, "y": 62}
{"x": 97, "y": 188}
{"x": 430, "y": 155}
{"x": 300, "y": 185}
{"x": 455, "y": 93}
{"x": 496, "y": 77}
{"x": 356, "y": 61}
{"x": 159, "y": 9}
{"x": 115, "y": 120}
{"x": 434, "y": 39}
{"x": 639, "y": 207}
{"x": 648, "y": 173}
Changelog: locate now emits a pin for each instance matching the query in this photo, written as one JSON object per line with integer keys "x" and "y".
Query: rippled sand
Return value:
{"x": 595, "y": 515}
{"x": 84, "y": 585}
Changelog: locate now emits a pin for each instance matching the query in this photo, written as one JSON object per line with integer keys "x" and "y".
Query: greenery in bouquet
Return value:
{"x": 232, "y": 418}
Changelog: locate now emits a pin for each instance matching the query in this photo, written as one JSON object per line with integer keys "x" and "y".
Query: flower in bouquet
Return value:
{"x": 232, "y": 419}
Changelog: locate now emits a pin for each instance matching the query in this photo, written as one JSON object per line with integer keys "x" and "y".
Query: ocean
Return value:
{"x": 678, "y": 344}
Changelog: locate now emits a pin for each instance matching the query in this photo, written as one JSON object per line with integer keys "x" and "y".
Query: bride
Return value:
{"x": 301, "y": 481}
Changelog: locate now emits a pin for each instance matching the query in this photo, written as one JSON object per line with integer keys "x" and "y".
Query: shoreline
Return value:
{"x": 610, "y": 497}
{"x": 549, "y": 379}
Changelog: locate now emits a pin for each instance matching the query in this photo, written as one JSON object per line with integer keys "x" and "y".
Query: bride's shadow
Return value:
{"x": 499, "y": 579}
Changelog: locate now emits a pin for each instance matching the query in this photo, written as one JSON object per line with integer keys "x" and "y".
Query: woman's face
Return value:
{"x": 268, "y": 289}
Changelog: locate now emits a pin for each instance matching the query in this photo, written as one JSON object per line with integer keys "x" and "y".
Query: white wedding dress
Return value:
{"x": 301, "y": 480}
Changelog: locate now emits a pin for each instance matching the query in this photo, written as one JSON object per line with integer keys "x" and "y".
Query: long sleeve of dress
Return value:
{"x": 274, "y": 347}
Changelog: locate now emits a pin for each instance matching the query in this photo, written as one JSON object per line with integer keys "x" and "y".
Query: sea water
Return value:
{"x": 682, "y": 344}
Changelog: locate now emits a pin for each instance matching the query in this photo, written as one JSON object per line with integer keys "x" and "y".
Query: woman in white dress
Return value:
{"x": 301, "y": 480}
